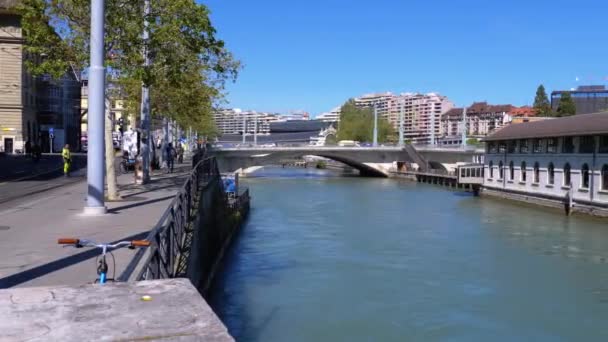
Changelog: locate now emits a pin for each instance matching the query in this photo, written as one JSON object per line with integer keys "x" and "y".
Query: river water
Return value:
{"x": 327, "y": 258}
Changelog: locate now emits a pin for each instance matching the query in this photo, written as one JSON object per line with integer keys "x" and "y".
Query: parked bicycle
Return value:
{"x": 102, "y": 268}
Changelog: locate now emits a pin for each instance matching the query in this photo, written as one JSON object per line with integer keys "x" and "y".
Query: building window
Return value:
{"x": 491, "y": 147}
{"x": 585, "y": 176}
{"x": 502, "y": 147}
{"x": 587, "y": 144}
{"x": 603, "y": 148}
{"x": 568, "y": 146}
{"x": 523, "y": 171}
{"x": 501, "y": 170}
{"x": 605, "y": 177}
{"x": 523, "y": 146}
{"x": 567, "y": 180}
{"x": 537, "y": 146}
{"x": 511, "y": 146}
{"x": 536, "y": 173}
{"x": 552, "y": 145}
{"x": 511, "y": 171}
{"x": 550, "y": 174}
{"x": 491, "y": 167}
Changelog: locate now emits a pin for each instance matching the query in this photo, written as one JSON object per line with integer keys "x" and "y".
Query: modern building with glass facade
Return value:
{"x": 588, "y": 99}
{"x": 553, "y": 162}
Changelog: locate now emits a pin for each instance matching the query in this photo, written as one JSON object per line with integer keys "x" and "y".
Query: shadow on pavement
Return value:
{"x": 134, "y": 205}
{"x": 39, "y": 271}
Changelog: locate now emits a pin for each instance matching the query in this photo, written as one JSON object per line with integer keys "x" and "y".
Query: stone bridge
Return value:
{"x": 370, "y": 161}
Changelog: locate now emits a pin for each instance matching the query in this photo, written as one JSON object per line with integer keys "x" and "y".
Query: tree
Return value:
{"x": 190, "y": 65}
{"x": 541, "y": 102}
{"x": 358, "y": 124}
{"x": 566, "y": 106}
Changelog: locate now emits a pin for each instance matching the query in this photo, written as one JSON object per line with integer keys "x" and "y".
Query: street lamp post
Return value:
{"x": 464, "y": 127}
{"x": 375, "y": 143}
{"x": 401, "y": 114}
{"x": 244, "y": 130}
{"x": 255, "y": 129}
{"x": 145, "y": 103}
{"x": 97, "y": 73}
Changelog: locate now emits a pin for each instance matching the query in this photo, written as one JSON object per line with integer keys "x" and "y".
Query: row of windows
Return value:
{"x": 586, "y": 145}
{"x": 567, "y": 180}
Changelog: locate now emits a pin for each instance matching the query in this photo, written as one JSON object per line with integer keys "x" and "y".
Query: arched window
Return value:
{"x": 523, "y": 171}
{"x": 567, "y": 180}
{"x": 585, "y": 176}
{"x": 511, "y": 171}
{"x": 551, "y": 174}
{"x": 501, "y": 170}
{"x": 536, "y": 173}
{"x": 491, "y": 167}
{"x": 605, "y": 177}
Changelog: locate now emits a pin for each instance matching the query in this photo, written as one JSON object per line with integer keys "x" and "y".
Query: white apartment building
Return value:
{"x": 331, "y": 116}
{"x": 231, "y": 121}
{"x": 421, "y": 112}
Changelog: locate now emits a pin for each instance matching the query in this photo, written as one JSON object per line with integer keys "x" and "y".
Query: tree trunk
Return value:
{"x": 112, "y": 194}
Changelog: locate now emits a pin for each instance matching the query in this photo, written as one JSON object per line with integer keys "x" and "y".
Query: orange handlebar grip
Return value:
{"x": 67, "y": 241}
{"x": 140, "y": 243}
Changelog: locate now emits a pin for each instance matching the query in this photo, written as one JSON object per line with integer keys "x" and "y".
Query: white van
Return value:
{"x": 348, "y": 143}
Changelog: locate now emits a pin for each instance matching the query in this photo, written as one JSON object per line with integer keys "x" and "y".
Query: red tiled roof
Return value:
{"x": 523, "y": 111}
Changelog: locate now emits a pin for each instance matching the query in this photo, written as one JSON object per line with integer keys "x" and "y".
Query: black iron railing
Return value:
{"x": 171, "y": 238}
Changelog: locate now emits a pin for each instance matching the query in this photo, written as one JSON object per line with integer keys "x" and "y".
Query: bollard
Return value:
{"x": 139, "y": 170}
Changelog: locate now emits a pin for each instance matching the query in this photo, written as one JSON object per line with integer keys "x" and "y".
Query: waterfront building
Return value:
{"x": 551, "y": 161}
{"x": 587, "y": 99}
{"x": 422, "y": 113}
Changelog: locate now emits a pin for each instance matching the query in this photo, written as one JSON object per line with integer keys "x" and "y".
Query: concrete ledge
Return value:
{"x": 112, "y": 312}
{"x": 546, "y": 202}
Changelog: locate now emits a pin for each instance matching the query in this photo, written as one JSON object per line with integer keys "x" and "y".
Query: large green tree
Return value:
{"x": 189, "y": 64}
{"x": 357, "y": 123}
{"x": 541, "y": 102}
{"x": 566, "y": 106}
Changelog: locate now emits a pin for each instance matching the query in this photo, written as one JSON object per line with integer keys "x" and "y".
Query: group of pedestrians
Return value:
{"x": 169, "y": 155}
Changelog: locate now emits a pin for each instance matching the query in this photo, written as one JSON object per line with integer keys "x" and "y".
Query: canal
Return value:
{"x": 328, "y": 258}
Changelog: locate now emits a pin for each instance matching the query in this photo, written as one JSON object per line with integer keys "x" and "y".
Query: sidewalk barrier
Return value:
{"x": 171, "y": 238}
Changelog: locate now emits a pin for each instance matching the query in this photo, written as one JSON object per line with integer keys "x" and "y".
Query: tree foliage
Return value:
{"x": 566, "y": 106}
{"x": 358, "y": 124}
{"x": 541, "y": 102}
{"x": 189, "y": 68}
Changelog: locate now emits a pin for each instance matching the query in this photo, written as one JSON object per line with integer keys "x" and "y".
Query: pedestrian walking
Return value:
{"x": 67, "y": 160}
{"x": 180, "y": 153}
{"x": 28, "y": 148}
{"x": 171, "y": 154}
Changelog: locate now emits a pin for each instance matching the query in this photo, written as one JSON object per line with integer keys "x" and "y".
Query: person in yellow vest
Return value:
{"x": 67, "y": 160}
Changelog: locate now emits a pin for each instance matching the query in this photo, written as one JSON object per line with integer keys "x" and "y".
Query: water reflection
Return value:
{"x": 360, "y": 259}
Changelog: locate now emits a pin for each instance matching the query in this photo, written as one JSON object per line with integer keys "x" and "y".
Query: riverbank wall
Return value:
{"x": 577, "y": 207}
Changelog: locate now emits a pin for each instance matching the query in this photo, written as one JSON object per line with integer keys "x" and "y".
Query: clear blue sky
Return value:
{"x": 313, "y": 55}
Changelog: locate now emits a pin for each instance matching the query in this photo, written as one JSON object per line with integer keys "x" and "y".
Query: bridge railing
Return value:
{"x": 169, "y": 236}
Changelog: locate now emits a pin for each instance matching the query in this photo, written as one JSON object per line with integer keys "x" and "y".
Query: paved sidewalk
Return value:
{"x": 30, "y": 255}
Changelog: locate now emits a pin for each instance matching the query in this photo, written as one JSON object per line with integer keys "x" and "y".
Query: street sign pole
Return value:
{"x": 97, "y": 73}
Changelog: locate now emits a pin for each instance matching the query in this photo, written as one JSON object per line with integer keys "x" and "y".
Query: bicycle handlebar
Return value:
{"x": 88, "y": 243}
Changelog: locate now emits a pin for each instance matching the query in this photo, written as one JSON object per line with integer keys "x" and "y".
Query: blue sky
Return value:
{"x": 313, "y": 55}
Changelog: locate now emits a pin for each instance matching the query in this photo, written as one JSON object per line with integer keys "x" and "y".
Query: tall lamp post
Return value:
{"x": 464, "y": 127}
{"x": 97, "y": 73}
{"x": 145, "y": 103}
{"x": 375, "y": 142}
{"x": 401, "y": 128}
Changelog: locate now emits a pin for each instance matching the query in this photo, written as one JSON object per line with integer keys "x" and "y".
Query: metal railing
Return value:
{"x": 172, "y": 235}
